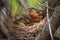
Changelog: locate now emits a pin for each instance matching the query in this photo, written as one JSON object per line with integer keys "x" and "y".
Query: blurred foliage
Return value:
{"x": 57, "y": 33}
{"x": 17, "y": 8}
{"x": 34, "y": 3}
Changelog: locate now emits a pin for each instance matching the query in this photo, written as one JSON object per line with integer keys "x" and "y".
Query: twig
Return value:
{"x": 48, "y": 7}
{"x": 49, "y": 23}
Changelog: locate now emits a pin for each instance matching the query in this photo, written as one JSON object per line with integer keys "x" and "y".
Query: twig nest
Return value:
{"x": 35, "y": 27}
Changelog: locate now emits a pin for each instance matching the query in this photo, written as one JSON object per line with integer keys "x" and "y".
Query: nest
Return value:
{"x": 13, "y": 31}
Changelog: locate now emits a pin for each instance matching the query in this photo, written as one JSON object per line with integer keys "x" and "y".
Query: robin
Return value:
{"x": 34, "y": 15}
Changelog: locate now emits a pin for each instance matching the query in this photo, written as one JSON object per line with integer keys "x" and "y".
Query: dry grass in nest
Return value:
{"x": 13, "y": 31}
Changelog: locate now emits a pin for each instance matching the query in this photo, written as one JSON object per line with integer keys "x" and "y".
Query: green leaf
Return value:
{"x": 57, "y": 33}
{"x": 15, "y": 7}
{"x": 34, "y": 3}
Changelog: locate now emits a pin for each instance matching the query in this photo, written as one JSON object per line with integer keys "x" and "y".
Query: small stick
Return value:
{"x": 48, "y": 7}
{"x": 50, "y": 30}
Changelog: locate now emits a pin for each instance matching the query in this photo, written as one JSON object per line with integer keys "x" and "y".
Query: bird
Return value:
{"x": 32, "y": 13}
{"x": 21, "y": 24}
{"x": 34, "y": 16}
{"x": 22, "y": 21}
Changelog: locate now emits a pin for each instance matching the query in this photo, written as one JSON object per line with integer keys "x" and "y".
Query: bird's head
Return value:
{"x": 30, "y": 10}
